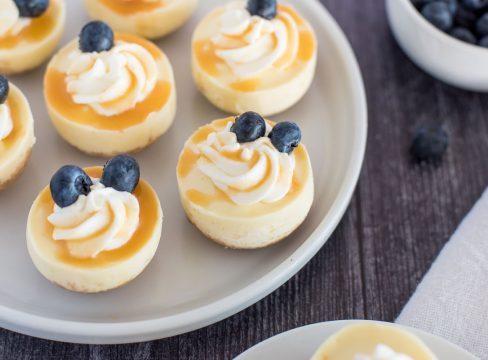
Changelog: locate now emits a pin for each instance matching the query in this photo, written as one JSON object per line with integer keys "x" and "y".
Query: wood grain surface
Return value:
{"x": 399, "y": 219}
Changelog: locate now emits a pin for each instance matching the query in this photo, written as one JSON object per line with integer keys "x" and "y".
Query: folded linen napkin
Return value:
{"x": 452, "y": 299}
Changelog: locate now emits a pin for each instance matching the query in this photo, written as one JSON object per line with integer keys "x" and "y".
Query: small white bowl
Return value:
{"x": 444, "y": 57}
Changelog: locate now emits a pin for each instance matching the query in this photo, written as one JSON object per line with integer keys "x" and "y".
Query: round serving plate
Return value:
{"x": 192, "y": 282}
{"x": 301, "y": 343}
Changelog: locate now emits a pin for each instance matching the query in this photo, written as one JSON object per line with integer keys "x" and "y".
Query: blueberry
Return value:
{"x": 121, "y": 173}
{"x": 429, "y": 144}
{"x": 465, "y": 17}
{"x": 438, "y": 14}
{"x": 463, "y": 34}
{"x": 4, "y": 89}
{"x": 483, "y": 42}
{"x": 265, "y": 8}
{"x": 68, "y": 184}
{"x": 96, "y": 36}
{"x": 482, "y": 25}
{"x": 32, "y": 8}
{"x": 474, "y": 4}
{"x": 452, "y": 4}
{"x": 249, "y": 126}
{"x": 285, "y": 136}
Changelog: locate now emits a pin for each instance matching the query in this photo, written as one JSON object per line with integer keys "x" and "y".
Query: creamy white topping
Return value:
{"x": 11, "y": 23}
{"x": 249, "y": 172}
{"x": 114, "y": 81}
{"x": 6, "y": 123}
{"x": 252, "y": 44}
{"x": 105, "y": 219}
{"x": 147, "y": 1}
{"x": 383, "y": 352}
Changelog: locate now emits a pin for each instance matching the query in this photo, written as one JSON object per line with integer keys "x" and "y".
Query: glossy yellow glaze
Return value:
{"x": 61, "y": 101}
{"x": 18, "y": 129}
{"x": 38, "y": 29}
{"x": 148, "y": 220}
{"x": 130, "y": 7}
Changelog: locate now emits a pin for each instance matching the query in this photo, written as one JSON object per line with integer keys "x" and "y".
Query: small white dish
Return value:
{"x": 191, "y": 282}
{"x": 444, "y": 57}
{"x": 301, "y": 343}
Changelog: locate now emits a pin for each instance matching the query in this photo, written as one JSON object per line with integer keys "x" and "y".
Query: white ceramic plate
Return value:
{"x": 191, "y": 282}
{"x": 301, "y": 343}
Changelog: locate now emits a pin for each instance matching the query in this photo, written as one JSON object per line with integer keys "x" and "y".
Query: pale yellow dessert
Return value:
{"x": 95, "y": 245}
{"x": 112, "y": 102}
{"x": 242, "y": 62}
{"x": 147, "y": 18}
{"x": 16, "y": 135}
{"x": 373, "y": 341}
{"x": 25, "y": 43}
{"x": 243, "y": 195}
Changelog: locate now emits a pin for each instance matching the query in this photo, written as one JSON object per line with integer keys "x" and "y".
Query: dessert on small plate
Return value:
{"x": 16, "y": 132}
{"x": 373, "y": 341}
{"x": 109, "y": 93}
{"x": 147, "y": 18}
{"x": 255, "y": 55}
{"x": 95, "y": 229}
{"x": 244, "y": 182}
{"x": 29, "y": 32}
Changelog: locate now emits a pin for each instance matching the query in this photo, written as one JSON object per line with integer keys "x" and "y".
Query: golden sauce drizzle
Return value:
{"x": 246, "y": 85}
{"x": 131, "y": 7}
{"x": 37, "y": 30}
{"x": 148, "y": 45}
{"x": 307, "y": 45}
{"x": 292, "y": 12}
{"x": 148, "y": 218}
{"x": 187, "y": 160}
{"x": 205, "y": 53}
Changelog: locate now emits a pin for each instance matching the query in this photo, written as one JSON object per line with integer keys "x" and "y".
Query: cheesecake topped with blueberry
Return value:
{"x": 254, "y": 55}
{"x": 29, "y": 32}
{"x": 147, "y": 18}
{"x": 373, "y": 341}
{"x": 246, "y": 182}
{"x": 16, "y": 132}
{"x": 109, "y": 93}
{"x": 94, "y": 229}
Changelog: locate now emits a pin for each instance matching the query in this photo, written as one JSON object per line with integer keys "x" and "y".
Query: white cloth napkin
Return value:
{"x": 452, "y": 299}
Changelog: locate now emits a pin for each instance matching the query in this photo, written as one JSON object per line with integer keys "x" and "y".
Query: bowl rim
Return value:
{"x": 436, "y": 32}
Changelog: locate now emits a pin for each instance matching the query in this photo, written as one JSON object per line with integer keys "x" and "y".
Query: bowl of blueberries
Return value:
{"x": 446, "y": 38}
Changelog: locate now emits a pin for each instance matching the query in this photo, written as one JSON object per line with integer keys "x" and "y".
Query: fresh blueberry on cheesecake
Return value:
{"x": 32, "y": 8}
{"x": 285, "y": 136}
{"x": 265, "y": 8}
{"x": 121, "y": 173}
{"x": 68, "y": 183}
{"x": 248, "y": 127}
{"x": 96, "y": 36}
{"x": 4, "y": 89}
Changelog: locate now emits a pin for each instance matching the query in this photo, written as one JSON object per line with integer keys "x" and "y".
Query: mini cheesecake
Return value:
{"x": 147, "y": 18}
{"x": 110, "y": 100}
{"x": 373, "y": 341}
{"x": 254, "y": 55}
{"x": 29, "y": 34}
{"x": 86, "y": 233}
{"x": 245, "y": 183}
{"x": 16, "y": 132}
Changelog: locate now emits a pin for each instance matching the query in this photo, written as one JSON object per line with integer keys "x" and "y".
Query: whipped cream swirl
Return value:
{"x": 383, "y": 352}
{"x": 11, "y": 23}
{"x": 6, "y": 123}
{"x": 114, "y": 81}
{"x": 252, "y": 44}
{"x": 105, "y": 219}
{"x": 248, "y": 173}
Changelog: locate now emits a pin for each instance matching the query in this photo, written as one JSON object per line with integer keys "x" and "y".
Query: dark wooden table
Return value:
{"x": 399, "y": 219}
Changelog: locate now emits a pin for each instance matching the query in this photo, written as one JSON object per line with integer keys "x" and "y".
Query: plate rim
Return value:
{"x": 419, "y": 332}
{"x": 162, "y": 327}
